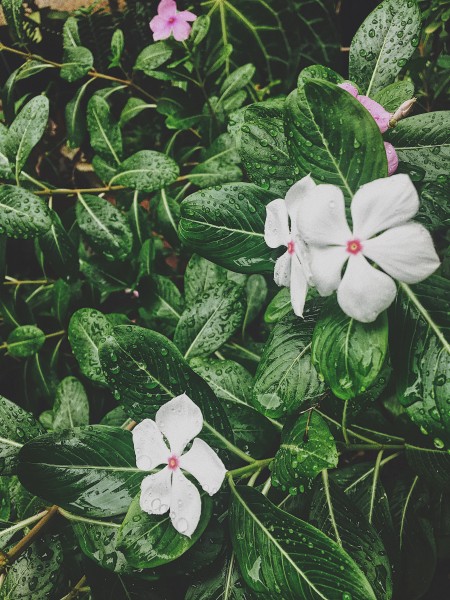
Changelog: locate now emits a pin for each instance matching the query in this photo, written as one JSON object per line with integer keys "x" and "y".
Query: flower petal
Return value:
{"x": 299, "y": 286}
{"x": 406, "y": 253}
{"x": 180, "y": 420}
{"x": 276, "y": 228}
{"x": 186, "y": 15}
{"x": 295, "y": 195}
{"x": 282, "y": 271}
{"x": 392, "y": 158}
{"x": 181, "y": 29}
{"x": 185, "y": 505}
{"x": 156, "y": 492}
{"x": 149, "y": 445}
{"x": 348, "y": 87}
{"x": 380, "y": 115}
{"x": 321, "y": 217}
{"x": 364, "y": 291}
{"x": 383, "y": 203}
{"x": 326, "y": 267}
{"x": 167, "y": 9}
{"x": 161, "y": 28}
{"x": 203, "y": 463}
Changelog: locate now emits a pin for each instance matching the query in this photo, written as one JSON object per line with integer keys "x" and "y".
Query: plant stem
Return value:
{"x": 349, "y": 431}
{"x": 267, "y": 486}
{"x": 27, "y": 56}
{"x": 12, "y": 281}
{"x": 23, "y": 524}
{"x": 74, "y": 192}
{"x": 326, "y": 487}
{"x": 344, "y": 423}
{"x": 354, "y": 447}
{"x": 76, "y": 590}
{"x": 257, "y": 465}
{"x": 25, "y": 542}
{"x": 376, "y": 473}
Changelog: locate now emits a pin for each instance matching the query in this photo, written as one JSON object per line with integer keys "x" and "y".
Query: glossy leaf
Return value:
{"x": 279, "y": 306}
{"x": 307, "y": 447}
{"x": 286, "y": 378}
{"x": 152, "y": 57}
{"x": 77, "y": 62}
{"x": 430, "y": 465}
{"x": 163, "y": 304}
{"x": 211, "y": 320}
{"x": 22, "y": 214}
{"x": 14, "y": 12}
{"x": 226, "y": 225}
{"x": 256, "y": 292}
{"x": 146, "y": 171}
{"x": 348, "y": 156}
{"x": 282, "y": 559}
{"x": 201, "y": 275}
{"x": 383, "y": 44}
{"x": 348, "y": 354}
{"x": 90, "y": 471}
{"x": 71, "y": 407}
{"x": 25, "y": 341}
{"x": 218, "y": 164}
{"x": 393, "y": 95}
{"x": 17, "y": 426}
{"x": 104, "y": 132}
{"x": 58, "y": 249}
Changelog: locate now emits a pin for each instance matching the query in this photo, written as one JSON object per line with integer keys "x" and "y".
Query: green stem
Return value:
{"x": 349, "y": 431}
{"x": 344, "y": 423}
{"x": 326, "y": 487}
{"x": 354, "y": 447}
{"x": 22, "y": 524}
{"x": 257, "y": 465}
{"x": 231, "y": 447}
{"x": 376, "y": 473}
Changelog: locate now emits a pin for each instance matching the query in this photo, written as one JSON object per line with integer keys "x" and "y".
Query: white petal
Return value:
{"x": 299, "y": 286}
{"x": 321, "y": 218}
{"x": 364, "y": 291}
{"x": 296, "y": 194}
{"x": 203, "y": 463}
{"x": 406, "y": 252}
{"x": 185, "y": 505}
{"x": 149, "y": 445}
{"x": 156, "y": 492}
{"x": 282, "y": 271}
{"x": 180, "y": 420}
{"x": 383, "y": 203}
{"x": 326, "y": 267}
{"x": 276, "y": 228}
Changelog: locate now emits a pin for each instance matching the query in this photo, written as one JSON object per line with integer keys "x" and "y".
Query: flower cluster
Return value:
{"x": 320, "y": 243}
{"x": 179, "y": 421}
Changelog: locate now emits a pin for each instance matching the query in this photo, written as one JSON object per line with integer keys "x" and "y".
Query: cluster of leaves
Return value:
{"x": 122, "y": 289}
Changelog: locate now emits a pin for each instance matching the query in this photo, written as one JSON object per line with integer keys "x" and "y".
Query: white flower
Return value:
{"x": 180, "y": 421}
{"x": 291, "y": 269}
{"x": 404, "y": 250}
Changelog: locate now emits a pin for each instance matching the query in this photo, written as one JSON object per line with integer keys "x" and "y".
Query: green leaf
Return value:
{"x": 145, "y": 370}
{"x": 282, "y": 559}
{"x": 104, "y": 169}
{"x": 286, "y": 378}
{"x": 226, "y": 584}
{"x": 434, "y": 210}
{"x": 256, "y": 291}
{"x": 26, "y": 131}
{"x": 146, "y": 171}
{"x": 163, "y": 304}
{"x": 35, "y": 573}
{"x": 393, "y": 95}
{"x": 339, "y": 518}
{"x": 152, "y": 57}
{"x": 201, "y": 275}
{"x": 233, "y": 385}
{"x": 318, "y": 72}
{"x": 200, "y": 28}
{"x": 58, "y": 249}
{"x": 348, "y": 354}
{"x": 22, "y": 214}
{"x": 420, "y": 351}
{"x": 210, "y": 320}
{"x": 236, "y": 81}
{"x": 218, "y": 164}
{"x": 279, "y": 306}
{"x": 117, "y": 46}
{"x": 61, "y": 296}
{"x": 333, "y": 137}
{"x": 14, "y": 14}
{"x": 77, "y": 62}
{"x": 167, "y": 217}
{"x": 17, "y": 426}
{"x": 71, "y": 407}
{"x": 422, "y": 143}
{"x": 87, "y": 329}
{"x": 432, "y": 466}
{"x": 90, "y": 471}
{"x": 383, "y": 44}
{"x": 76, "y": 118}
{"x": 307, "y": 447}
{"x": 104, "y": 132}
{"x": 105, "y": 227}
{"x": 149, "y": 541}
{"x": 133, "y": 108}
{"x": 263, "y": 147}
{"x": 25, "y": 341}
{"x": 226, "y": 225}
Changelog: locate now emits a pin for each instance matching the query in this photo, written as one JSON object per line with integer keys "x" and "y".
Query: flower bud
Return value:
{"x": 402, "y": 111}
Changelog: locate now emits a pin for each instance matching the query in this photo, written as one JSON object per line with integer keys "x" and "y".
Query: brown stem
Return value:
{"x": 131, "y": 426}
{"x": 9, "y": 558}
{"x": 76, "y": 590}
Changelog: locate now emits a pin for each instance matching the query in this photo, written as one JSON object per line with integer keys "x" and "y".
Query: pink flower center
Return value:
{"x": 354, "y": 247}
{"x": 171, "y": 20}
{"x": 173, "y": 462}
{"x": 291, "y": 247}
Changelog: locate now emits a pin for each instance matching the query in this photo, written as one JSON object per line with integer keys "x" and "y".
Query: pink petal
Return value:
{"x": 161, "y": 28}
{"x": 348, "y": 87}
{"x": 381, "y": 116}
{"x": 392, "y": 158}
{"x": 181, "y": 30}
{"x": 167, "y": 9}
{"x": 186, "y": 15}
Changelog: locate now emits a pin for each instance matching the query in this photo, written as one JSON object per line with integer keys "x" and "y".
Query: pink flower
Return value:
{"x": 169, "y": 20}
{"x": 382, "y": 118}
